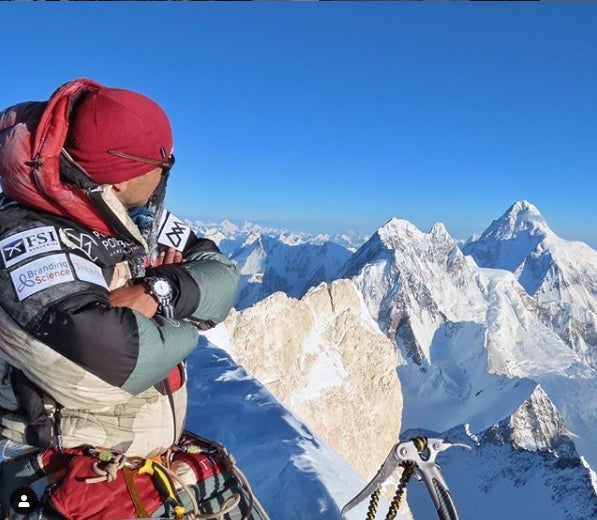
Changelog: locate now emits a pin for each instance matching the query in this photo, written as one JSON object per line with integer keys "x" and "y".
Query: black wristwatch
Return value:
{"x": 161, "y": 290}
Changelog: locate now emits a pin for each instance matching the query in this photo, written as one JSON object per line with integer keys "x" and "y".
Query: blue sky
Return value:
{"x": 340, "y": 115}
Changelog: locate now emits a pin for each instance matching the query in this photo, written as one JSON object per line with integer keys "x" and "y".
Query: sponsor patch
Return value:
{"x": 26, "y": 244}
{"x": 79, "y": 240}
{"x": 40, "y": 274}
{"x": 88, "y": 271}
{"x": 173, "y": 232}
{"x": 113, "y": 245}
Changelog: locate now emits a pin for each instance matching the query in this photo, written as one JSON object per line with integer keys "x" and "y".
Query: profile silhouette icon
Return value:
{"x": 23, "y": 500}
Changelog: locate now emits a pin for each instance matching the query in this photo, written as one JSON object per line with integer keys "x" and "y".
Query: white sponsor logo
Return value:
{"x": 41, "y": 274}
{"x": 79, "y": 240}
{"x": 173, "y": 233}
{"x": 88, "y": 271}
{"x": 111, "y": 242}
{"x": 28, "y": 243}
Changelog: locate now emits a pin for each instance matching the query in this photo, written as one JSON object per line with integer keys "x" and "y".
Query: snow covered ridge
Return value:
{"x": 230, "y": 236}
{"x": 495, "y": 344}
{"x": 271, "y": 260}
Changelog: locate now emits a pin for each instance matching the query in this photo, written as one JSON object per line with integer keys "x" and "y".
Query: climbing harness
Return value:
{"x": 164, "y": 478}
{"x": 183, "y": 483}
{"x": 417, "y": 457}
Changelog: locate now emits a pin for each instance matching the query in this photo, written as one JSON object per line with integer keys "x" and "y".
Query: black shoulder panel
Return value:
{"x": 201, "y": 244}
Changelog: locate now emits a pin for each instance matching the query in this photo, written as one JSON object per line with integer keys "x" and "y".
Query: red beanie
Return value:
{"x": 115, "y": 120}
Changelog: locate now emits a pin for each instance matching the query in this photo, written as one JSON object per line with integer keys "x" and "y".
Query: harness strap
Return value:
{"x": 128, "y": 475}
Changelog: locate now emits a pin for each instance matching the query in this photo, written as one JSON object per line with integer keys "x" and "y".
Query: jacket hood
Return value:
{"x": 32, "y": 137}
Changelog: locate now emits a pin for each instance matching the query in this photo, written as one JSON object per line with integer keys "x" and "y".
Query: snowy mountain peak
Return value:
{"x": 522, "y": 218}
{"x": 394, "y": 230}
{"x": 228, "y": 227}
{"x": 556, "y": 272}
{"x": 269, "y": 264}
{"x": 439, "y": 230}
{"x": 413, "y": 282}
{"x": 511, "y": 238}
{"x": 396, "y": 233}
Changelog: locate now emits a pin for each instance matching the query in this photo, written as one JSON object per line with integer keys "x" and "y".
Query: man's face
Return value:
{"x": 135, "y": 192}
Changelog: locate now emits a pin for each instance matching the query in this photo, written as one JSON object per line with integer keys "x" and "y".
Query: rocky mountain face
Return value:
{"x": 536, "y": 425}
{"x": 525, "y": 466}
{"x": 494, "y": 344}
{"x": 412, "y": 282}
{"x": 328, "y": 362}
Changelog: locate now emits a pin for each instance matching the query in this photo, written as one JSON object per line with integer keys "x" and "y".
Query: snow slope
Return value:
{"x": 294, "y": 474}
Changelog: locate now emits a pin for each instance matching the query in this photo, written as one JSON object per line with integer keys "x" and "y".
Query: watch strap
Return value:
{"x": 165, "y": 303}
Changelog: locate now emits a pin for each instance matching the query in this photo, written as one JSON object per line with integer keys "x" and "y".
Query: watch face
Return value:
{"x": 161, "y": 288}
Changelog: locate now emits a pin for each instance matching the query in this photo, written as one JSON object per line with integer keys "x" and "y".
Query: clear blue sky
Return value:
{"x": 340, "y": 115}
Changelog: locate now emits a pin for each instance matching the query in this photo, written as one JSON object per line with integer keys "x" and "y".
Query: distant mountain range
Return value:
{"x": 229, "y": 236}
{"x": 495, "y": 345}
{"x": 273, "y": 260}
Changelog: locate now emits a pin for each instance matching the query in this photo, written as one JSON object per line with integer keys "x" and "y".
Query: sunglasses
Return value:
{"x": 165, "y": 163}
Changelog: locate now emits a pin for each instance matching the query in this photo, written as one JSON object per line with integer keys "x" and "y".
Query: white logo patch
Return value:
{"x": 88, "y": 271}
{"x": 28, "y": 243}
{"x": 41, "y": 274}
{"x": 79, "y": 240}
{"x": 173, "y": 233}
